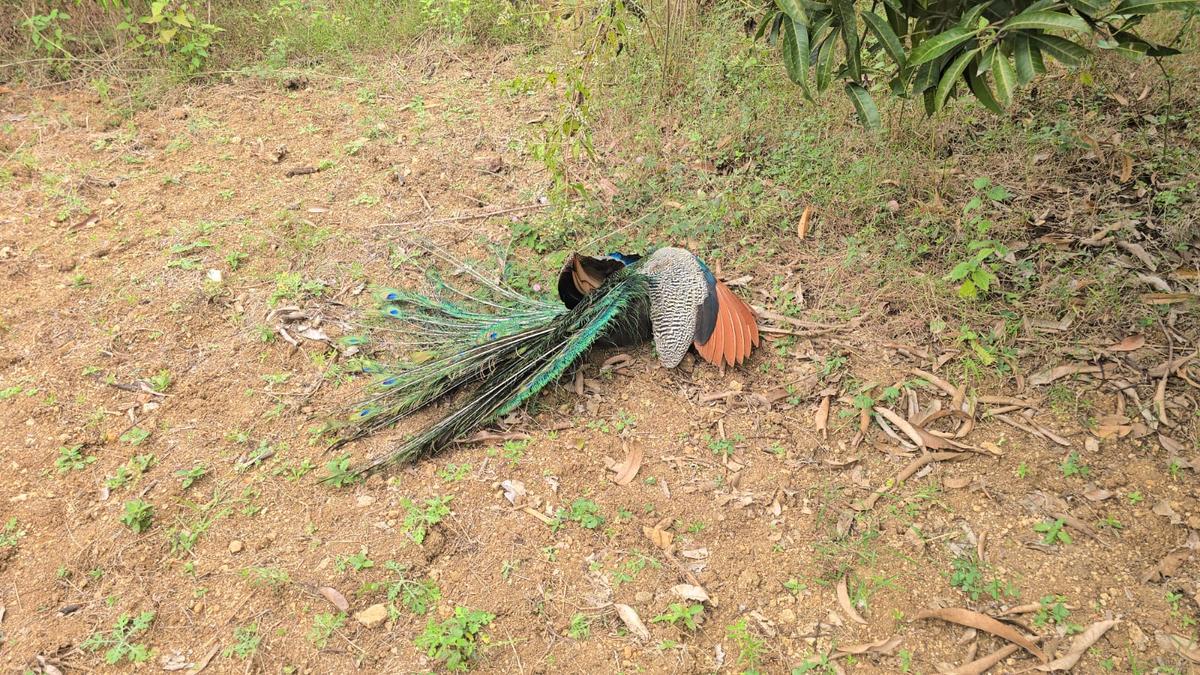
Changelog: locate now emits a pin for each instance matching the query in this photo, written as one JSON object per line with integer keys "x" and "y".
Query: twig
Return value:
{"x": 459, "y": 219}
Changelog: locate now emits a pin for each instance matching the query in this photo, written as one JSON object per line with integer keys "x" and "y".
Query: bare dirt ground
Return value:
{"x": 147, "y": 267}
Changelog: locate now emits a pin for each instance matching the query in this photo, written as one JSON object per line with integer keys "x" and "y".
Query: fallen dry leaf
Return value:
{"x": 822, "y": 419}
{"x": 956, "y": 483}
{"x": 966, "y": 617}
{"x": 1167, "y": 566}
{"x": 1096, "y": 493}
{"x": 1047, "y": 376}
{"x": 802, "y": 227}
{"x": 633, "y": 622}
{"x": 1163, "y": 508}
{"x": 661, "y": 538}
{"x": 1167, "y": 298}
{"x": 1183, "y": 646}
{"x": 885, "y": 646}
{"x": 628, "y": 469}
{"x": 690, "y": 592}
{"x": 843, "y": 596}
{"x": 334, "y": 597}
{"x": 1140, "y": 253}
{"x": 1126, "y": 169}
{"x": 1079, "y": 645}
{"x": 1129, "y": 344}
{"x": 908, "y": 429}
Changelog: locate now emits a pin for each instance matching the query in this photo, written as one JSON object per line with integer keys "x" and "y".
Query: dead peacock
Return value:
{"x": 507, "y": 347}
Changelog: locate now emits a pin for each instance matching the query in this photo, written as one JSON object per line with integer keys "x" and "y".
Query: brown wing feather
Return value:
{"x": 735, "y": 334}
{"x": 729, "y": 307}
{"x": 747, "y": 321}
{"x": 713, "y": 350}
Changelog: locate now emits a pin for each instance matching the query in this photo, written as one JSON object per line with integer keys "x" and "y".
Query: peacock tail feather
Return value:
{"x": 531, "y": 348}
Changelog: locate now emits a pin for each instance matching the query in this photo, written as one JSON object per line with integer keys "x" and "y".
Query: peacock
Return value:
{"x": 505, "y": 347}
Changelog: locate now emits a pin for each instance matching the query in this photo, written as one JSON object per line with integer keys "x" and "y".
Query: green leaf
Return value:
{"x": 983, "y": 93}
{"x": 848, "y": 18}
{"x": 1005, "y": 76}
{"x": 971, "y": 18}
{"x": 939, "y": 44}
{"x": 767, "y": 21}
{"x": 1066, "y": 52}
{"x": 1046, "y": 21}
{"x": 984, "y": 64}
{"x": 1151, "y": 6}
{"x": 897, "y": 21}
{"x": 774, "y": 34}
{"x": 794, "y": 9}
{"x": 1024, "y": 57}
{"x": 927, "y": 74}
{"x": 1093, "y": 8}
{"x": 951, "y": 75}
{"x": 868, "y": 114}
{"x": 825, "y": 63}
{"x": 795, "y": 52}
{"x": 886, "y": 36}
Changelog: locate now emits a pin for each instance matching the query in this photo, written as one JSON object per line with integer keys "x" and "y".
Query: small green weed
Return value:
{"x": 188, "y": 477}
{"x": 323, "y": 628}
{"x": 339, "y": 472}
{"x": 583, "y": 511}
{"x": 72, "y": 459}
{"x": 686, "y": 613}
{"x": 454, "y": 641}
{"x": 580, "y": 627}
{"x": 245, "y": 642}
{"x": 1053, "y": 532}
{"x": 118, "y": 643}
{"x": 750, "y": 647}
{"x": 138, "y": 515}
{"x": 420, "y": 519}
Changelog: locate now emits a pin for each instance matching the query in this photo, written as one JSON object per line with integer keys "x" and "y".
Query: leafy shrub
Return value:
{"x": 938, "y": 50}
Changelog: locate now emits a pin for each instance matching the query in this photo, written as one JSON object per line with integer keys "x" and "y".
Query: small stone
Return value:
{"x": 787, "y": 616}
{"x": 643, "y": 597}
{"x": 372, "y": 616}
{"x": 363, "y": 501}
{"x": 236, "y": 546}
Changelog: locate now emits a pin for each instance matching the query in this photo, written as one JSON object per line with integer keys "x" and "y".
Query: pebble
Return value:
{"x": 364, "y": 501}
{"x": 236, "y": 546}
{"x": 372, "y": 616}
{"x": 787, "y": 616}
{"x": 643, "y": 597}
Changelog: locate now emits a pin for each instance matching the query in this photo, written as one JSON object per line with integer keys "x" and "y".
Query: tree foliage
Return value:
{"x": 938, "y": 49}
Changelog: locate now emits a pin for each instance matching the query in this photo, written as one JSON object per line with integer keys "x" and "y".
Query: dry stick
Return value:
{"x": 907, "y": 472}
{"x": 1160, "y": 392}
{"x": 983, "y": 663}
{"x": 459, "y": 219}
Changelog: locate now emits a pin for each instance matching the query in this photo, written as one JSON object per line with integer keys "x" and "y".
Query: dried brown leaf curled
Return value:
{"x": 966, "y": 617}
{"x": 843, "y": 596}
{"x": 633, "y": 622}
{"x": 1079, "y": 645}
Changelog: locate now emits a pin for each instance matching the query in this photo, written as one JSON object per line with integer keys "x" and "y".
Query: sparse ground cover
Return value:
{"x": 178, "y": 272}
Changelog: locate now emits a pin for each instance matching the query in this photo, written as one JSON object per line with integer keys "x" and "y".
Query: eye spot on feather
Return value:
{"x": 392, "y": 311}
{"x": 493, "y": 335}
{"x": 363, "y": 413}
{"x": 392, "y": 296}
{"x": 388, "y": 382}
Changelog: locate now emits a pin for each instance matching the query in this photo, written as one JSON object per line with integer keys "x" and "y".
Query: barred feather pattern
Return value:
{"x": 677, "y": 288}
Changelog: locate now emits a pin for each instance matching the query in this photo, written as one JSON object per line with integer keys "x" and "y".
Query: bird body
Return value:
{"x": 510, "y": 347}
